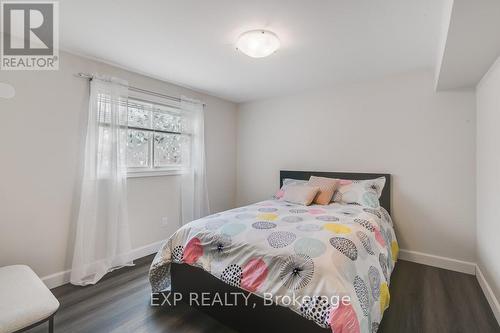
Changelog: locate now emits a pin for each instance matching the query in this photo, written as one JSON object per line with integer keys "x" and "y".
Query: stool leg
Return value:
{"x": 51, "y": 324}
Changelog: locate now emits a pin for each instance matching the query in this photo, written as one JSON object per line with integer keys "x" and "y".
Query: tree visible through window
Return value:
{"x": 157, "y": 137}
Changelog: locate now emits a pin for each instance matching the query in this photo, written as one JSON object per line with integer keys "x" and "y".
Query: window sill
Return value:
{"x": 154, "y": 173}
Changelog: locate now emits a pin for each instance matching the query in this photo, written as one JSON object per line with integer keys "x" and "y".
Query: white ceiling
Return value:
{"x": 191, "y": 42}
{"x": 472, "y": 43}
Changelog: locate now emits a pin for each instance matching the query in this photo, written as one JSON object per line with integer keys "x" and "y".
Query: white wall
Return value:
{"x": 488, "y": 177}
{"x": 399, "y": 125}
{"x": 41, "y": 145}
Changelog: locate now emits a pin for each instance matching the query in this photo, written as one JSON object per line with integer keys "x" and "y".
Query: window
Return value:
{"x": 157, "y": 139}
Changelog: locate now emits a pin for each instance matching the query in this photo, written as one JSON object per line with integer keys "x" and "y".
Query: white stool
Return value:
{"x": 25, "y": 301}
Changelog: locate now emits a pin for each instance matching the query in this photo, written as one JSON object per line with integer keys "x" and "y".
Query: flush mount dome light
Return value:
{"x": 258, "y": 43}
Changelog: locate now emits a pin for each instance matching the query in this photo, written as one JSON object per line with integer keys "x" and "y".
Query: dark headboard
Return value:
{"x": 385, "y": 198}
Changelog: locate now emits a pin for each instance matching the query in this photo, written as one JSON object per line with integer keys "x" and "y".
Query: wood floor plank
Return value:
{"x": 423, "y": 299}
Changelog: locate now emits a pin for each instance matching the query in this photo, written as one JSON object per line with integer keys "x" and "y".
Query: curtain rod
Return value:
{"x": 145, "y": 91}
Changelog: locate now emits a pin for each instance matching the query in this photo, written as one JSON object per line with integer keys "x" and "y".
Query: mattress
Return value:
{"x": 330, "y": 264}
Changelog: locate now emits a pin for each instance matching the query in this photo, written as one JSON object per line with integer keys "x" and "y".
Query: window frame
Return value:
{"x": 152, "y": 171}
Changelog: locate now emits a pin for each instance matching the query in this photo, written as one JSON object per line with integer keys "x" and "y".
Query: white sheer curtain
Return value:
{"x": 102, "y": 233}
{"x": 194, "y": 194}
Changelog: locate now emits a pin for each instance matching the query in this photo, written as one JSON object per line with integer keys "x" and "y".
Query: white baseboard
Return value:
{"x": 146, "y": 250}
{"x": 56, "y": 279}
{"x": 488, "y": 292}
{"x": 438, "y": 261}
{"x": 60, "y": 278}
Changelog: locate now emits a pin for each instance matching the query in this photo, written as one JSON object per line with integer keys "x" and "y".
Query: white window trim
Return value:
{"x": 154, "y": 173}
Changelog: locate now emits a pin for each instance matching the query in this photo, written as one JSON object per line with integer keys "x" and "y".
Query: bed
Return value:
{"x": 278, "y": 267}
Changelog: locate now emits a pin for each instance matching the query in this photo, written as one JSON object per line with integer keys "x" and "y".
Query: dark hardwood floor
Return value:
{"x": 423, "y": 299}
{"x": 429, "y": 299}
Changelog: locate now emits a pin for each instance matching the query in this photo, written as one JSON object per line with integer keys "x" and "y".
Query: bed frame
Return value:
{"x": 256, "y": 317}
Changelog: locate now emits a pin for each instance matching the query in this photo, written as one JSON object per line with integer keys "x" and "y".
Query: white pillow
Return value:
{"x": 360, "y": 192}
{"x": 288, "y": 182}
{"x": 300, "y": 194}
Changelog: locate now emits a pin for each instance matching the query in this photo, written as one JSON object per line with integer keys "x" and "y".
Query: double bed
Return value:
{"x": 274, "y": 266}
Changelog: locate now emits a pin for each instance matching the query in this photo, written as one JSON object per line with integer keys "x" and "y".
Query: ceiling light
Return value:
{"x": 258, "y": 43}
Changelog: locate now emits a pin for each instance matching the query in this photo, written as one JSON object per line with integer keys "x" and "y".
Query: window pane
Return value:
{"x": 139, "y": 116}
{"x": 166, "y": 121}
{"x": 168, "y": 149}
{"x": 138, "y": 148}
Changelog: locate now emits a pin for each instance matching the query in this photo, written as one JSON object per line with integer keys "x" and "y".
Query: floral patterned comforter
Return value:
{"x": 316, "y": 254}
